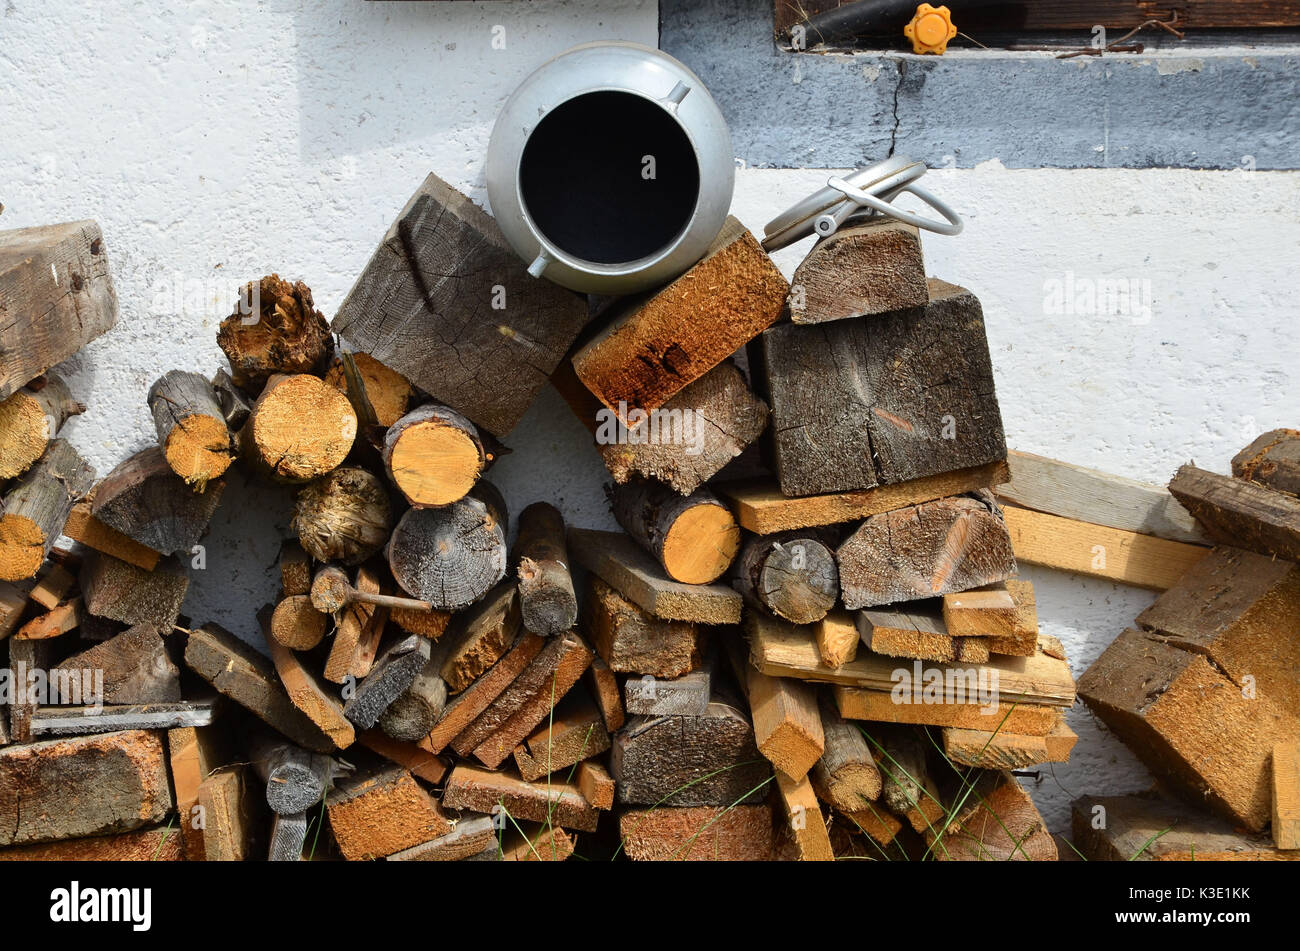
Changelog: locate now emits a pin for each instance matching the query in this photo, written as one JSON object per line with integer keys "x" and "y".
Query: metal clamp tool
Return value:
{"x": 864, "y": 193}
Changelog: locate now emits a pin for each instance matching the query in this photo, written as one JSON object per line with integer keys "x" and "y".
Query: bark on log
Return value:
{"x": 275, "y": 329}
{"x": 695, "y": 538}
{"x": 434, "y": 455}
{"x": 191, "y": 427}
{"x": 30, "y": 419}
{"x": 547, "y": 602}
{"x": 146, "y": 501}
{"x": 791, "y": 575}
{"x": 296, "y": 779}
{"x": 36, "y": 508}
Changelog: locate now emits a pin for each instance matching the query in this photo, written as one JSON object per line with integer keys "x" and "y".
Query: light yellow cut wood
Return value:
{"x": 988, "y": 750}
{"x": 985, "y": 612}
{"x": 879, "y": 706}
{"x": 804, "y": 815}
{"x": 1023, "y": 641}
{"x": 701, "y": 544}
{"x": 1286, "y": 795}
{"x": 436, "y": 463}
{"x": 837, "y": 638}
{"x": 51, "y": 586}
{"x": 1140, "y": 560}
{"x": 787, "y": 724}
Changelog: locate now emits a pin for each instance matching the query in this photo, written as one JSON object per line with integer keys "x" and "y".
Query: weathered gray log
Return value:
{"x": 343, "y": 516}
{"x": 412, "y": 715}
{"x": 393, "y": 672}
{"x": 687, "y": 695}
{"x": 451, "y": 556}
{"x": 1240, "y": 513}
{"x": 288, "y": 837}
{"x": 694, "y": 537}
{"x": 444, "y": 272}
{"x": 191, "y": 427}
{"x": 146, "y": 501}
{"x": 791, "y": 575}
{"x": 547, "y": 602}
{"x": 64, "y": 721}
{"x": 296, "y": 779}
{"x": 30, "y": 418}
{"x": 434, "y": 455}
{"x": 846, "y": 777}
{"x": 134, "y": 665}
{"x": 37, "y": 506}
{"x": 118, "y": 590}
{"x": 235, "y": 407}
{"x": 56, "y": 295}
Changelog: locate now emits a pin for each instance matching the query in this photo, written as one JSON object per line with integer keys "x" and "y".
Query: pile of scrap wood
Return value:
{"x": 1205, "y": 687}
{"x": 808, "y": 641}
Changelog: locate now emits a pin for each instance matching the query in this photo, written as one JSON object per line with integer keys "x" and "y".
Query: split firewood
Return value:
{"x": 466, "y": 706}
{"x": 275, "y": 329}
{"x": 114, "y": 589}
{"x": 82, "y": 526}
{"x": 595, "y": 783}
{"x": 451, "y": 556}
{"x": 859, "y": 271}
{"x": 695, "y": 538}
{"x": 688, "y": 440}
{"x": 687, "y": 695}
{"x": 444, "y": 272}
{"x": 412, "y": 715}
{"x": 803, "y": 814}
{"x": 387, "y": 391}
{"x": 191, "y": 427}
{"x": 30, "y": 419}
{"x": 374, "y": 815}
{"x": 604, "y": 688}
{"x": 232, "y": 818}
{"x": 193, "y": 755}
{"x": 791, "y": 575}
{"x": 295, "y": 569}
{"x": 1286, "y": 795}
{"x": 531, "y": 842}
{"x": 145, "y": 500}
{"x": 311, "y": 698}
{"x": 296, "y": 779}
{"x": 921, "y": 552}
{"x": 13, "y": 602}
{"x": 421, "y": 763}
{"x": 654, "y": 346}
{"x": 473, "y": 835}
{"x": 1240, "y": 513}
{"x": 135, "y": 665}
{"x": 479, "y": 790}
{"x": 56, "y": 295}
{"x": 63, "y": 618}
{"x": 983, "y": 612}
{"x": 880, "y": 400}
{"x": 288, "y": 838}
{"x": 1023, "y": 640}
{"x": 697, "y": 833}
{"x": 546, "y": 599}
{"x": 300, "y": 428}
{"x": 621, "y": 563}
{"x": 837, "y": 638}
{"x": 631, "y": 641}
{"x": 1272, "y": 460}
{"x": 52, "y": 585}
{"x": 434, "y": 455}
{"x": 709, "y": 760}
{"x": 235, "y": 408}
{"x": 297, "y": 624}
{"x": 391, "y": 675}
{"x": 480, "y": 636}
{"x": 37, "y": 506}
{"x": 787, "y": 723}
{"x": 846, "y": 776}
{"x": 81, "y": 786}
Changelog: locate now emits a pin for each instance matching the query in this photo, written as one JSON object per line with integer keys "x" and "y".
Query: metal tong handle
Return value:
{"x": 952, "y": 226}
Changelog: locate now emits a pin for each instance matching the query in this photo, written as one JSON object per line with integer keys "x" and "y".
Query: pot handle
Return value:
{"x": 951, "y": 226}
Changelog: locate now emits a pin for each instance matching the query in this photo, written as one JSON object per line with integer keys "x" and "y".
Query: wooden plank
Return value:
{"x": 573, "y": 733}
{"x": 697, "y": 833}
{"x": 52, "y": 585}
{"x": 1099, "y": 498}
{"x": 878, "y": 706}
{"x": 596, "y": 784}
{"x": 421, "y": 763}
{"x": 376, "y": 814}
{"x": 983, "y": 612}
{"x": 783, "y": 650}
{"x": 632, "y": 641}
{"x": 481, "y": 635}
{"x": 761, "y": 507}
{"x": 1023, "y": 640}
{"x": 434, "y": 278}
{"x": 994, "y": 750}
{"x": 471, "y": 836}
{"x": 1272, "y": 460}
{"x": 837, "y": 638}
{"x": 193, "y": 754}
{"x": 1286, "y": 795}
{"x": 481, "y": 790}
{"x": 233, "y": 816}
{"x": 532, "y": 842}
{"x": 1000, "y": 825}
{"x": 56, "y": 295}
{"x": 620, "y": 563}
{"x": 116, "y": 589}
{"x": 1237, "y": 512}
{"x": 605, "y": 689}
{"x": 1111, "y": 553}
{"x": 159, "y": 844}
{"x": 133, "y": 667}
{"x": 62, "y": 721}
{"x": 687, "y": 695}
{"x": 309, "y": 695}
{"x": 804, "y": 815}
{"x": 916, "y": 630}
{"x": 787, "y": 723}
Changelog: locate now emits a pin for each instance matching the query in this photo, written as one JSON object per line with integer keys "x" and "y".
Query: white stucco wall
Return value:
{"x": 216, "y": 141}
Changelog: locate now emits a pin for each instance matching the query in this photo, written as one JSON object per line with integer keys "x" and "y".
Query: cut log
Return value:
{"x": 82, "y": 526}
{"x": 630, "y": 641}
{"x": 421, "y": 763}
{"x": 604, "y": 688}
{"x": 686, "y": 696}
{"x": 837, "y": 638}
{"x": 1272, "y": 460}
{"x": 52, "y": 585}
{"x": 288, "y": 838}
{"x": 193, "y": 755}
{"x": 310, "y": 697}
{"x": 235, "y": 408}
{"x": 30, "y": 419}
{"x": 377, "y": 814}
{"x": 297, "y": 624}
{"x": 915, "y": 629}
{"x": 479, "y": 790}
{"x": 295, "y": 779}
{"x": 787, "y": 724}
{"x": 574, "y": 732}
{"x": 654, "y": 346}
{"x": 394, "y": 671}
{"x": 64, "y": 618}
{"x": 37, "y": 506}
{"x": 526, "y": 702}
{"x": 191, "y": 427}
{"x": 547, "y": 602}
{"x": 686, "y": 442}
{"x": 931, "y": 549}
{"x": 1087, "y": 495}
{"x": 695, "y": 538}
{"x": 92, "y": 785}
{"x": 56, "y": 295}
{"x": 114, "y": 589}
{"x": 412, "y": 715}
{"x": 846, "y": 776}
{"x": 300, "y": 429}
{"x": 1146, "y": 828}
{"x": 434, "y": 455}
{"x": 276, "y": 328}
{"x": 145, "y": 500}
{"x": 596, "y": 784}
{"x": 481, "y": 636}
{"x": 159, "y": 844}
{"x": 1240, "y": 513}
{"x": 907, "y": 788}
{"x": 709, "y": 760}
{"x": 1140, "y": 560}
{"x": 860, "y": 271}
{"x": 445, "y": 272}
{"x": 761, "y": 508}
{"x": 1000, "y": 826}
{"x": 451, "y": 556}
{"x": 804, "y": 818}
{"x": 616, "y": 560}
{"x": 1023, "y": 641}
{"x": 1286, "y": 795}
{"x": 466, "y": 707}
{"x": 239, "y": 672}
{"x": 984, "y": 612}
{"x": 471, "y": 836}
{"x": 881, "y": 400}
{"x": 698, "y": 833}
{"x": 134, "y": 665}
{"x": 232, "y": 817}
{"x": 879, "y": 706}
{"x": 387, "y": 391}
{"x": 791, "y": 575}
{"x": 1209, "y": 736}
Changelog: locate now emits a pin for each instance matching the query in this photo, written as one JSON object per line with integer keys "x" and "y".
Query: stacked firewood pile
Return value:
{"x": 808, "y": 641}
